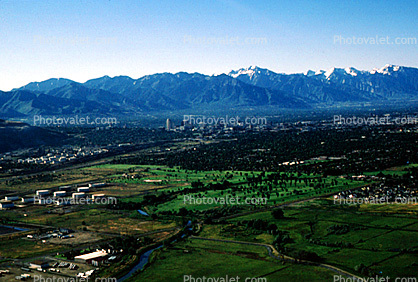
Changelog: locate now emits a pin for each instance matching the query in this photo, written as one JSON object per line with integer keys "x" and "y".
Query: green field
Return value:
{"x": 145, "y": 177}
{"x": 215, "y": 259}
{"x": 379, "y": 237}
{"x": 375, "y": 238}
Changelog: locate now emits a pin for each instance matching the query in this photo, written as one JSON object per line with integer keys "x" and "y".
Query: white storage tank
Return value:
{"x": 78, "y": 195}
{"x": 42, "y": 192}
{"x": 6, "y": 205}
{"x": 97, "y": 185}
{"x": 60, "y": 193}
{"x": 83, "y": 189}
{"x": 98, "y": 196}
{"x": 28, "y": 200}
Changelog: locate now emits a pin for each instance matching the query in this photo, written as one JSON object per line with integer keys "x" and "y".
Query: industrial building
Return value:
{"x": 11, "y": 198}
{"x": 39, "y": 264}
{"x": 97, "y": 256}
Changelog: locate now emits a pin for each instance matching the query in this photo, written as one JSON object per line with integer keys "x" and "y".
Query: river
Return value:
{"x": 143, "y": 260}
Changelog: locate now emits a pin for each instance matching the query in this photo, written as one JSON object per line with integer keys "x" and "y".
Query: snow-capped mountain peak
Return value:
{"x": 388, "y": 69}
{"x": 334, "y": 71}
{"x": 319, "y": 72}
{"x": 329, "y": 72}
{"x": 250, "y": 71}
{"x": 246, "y": 71}
{"x": 352, "y": 71}
{"x": 334, "y": 74}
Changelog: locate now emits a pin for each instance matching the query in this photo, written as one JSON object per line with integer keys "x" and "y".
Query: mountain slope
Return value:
{"x": 183, "y": 90}
{"x": 17, "y": 135}
{"x": 113, "y": 101}
{"x": 46, "y": 85}
{"x": 247, "y": 87}
{"x": 338, "y": 85}
{"x": 305, "y": 86}
{"x": 390, "y": 82}
{"x": 21, "y": 103}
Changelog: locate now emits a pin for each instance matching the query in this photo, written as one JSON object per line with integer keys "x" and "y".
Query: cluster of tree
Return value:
{"x": 306, "y": 255}
{"x": 208, "y": 215}
{"x": 339, "y": 244}
{"x": 265, "y": 151}
{"x": 282, "y": 238}
{"x": 259, "y": 224}
{"x": 10, "y": 165}
{"x": 277, "y": 214}
{"x": 151, "y": 199}
{"x": 118, "y": 135}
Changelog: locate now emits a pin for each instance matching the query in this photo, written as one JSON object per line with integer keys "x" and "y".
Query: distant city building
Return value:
{"x": 169, "y": 125}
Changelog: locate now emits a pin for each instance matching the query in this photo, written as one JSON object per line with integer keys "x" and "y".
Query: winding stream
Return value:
{"x": 143, "y": 260}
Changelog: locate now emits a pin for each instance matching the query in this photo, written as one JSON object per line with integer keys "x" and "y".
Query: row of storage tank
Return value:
{"x": 62, "y": 192}
{"x": 81, "y": 193}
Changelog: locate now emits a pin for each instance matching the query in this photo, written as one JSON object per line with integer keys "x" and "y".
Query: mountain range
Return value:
{"x": 246, "y": 87}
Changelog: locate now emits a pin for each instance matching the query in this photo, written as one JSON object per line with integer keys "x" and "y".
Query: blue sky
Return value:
{"x": 80, "y": 40}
